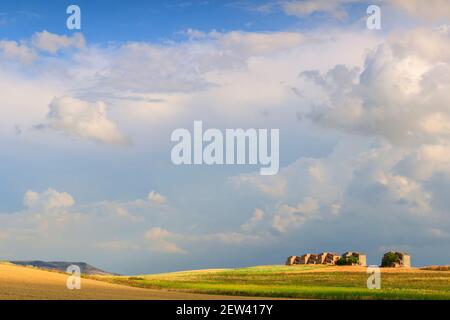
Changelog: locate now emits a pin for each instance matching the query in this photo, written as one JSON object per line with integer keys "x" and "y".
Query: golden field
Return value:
{"x": 264, "y": 282}
{"x": 25, "y": 283}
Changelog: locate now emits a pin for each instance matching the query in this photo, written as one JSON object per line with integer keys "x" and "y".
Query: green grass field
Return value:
{"x": 305, "y": 282}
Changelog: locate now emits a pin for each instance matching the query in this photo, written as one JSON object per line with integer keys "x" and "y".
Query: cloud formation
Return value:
{"x": 52, "y": 43}
{"x": 48, "y": 200}
{"x": 401, "y": 94}
{"x": 430, "y": 10}
{"x": 307, "y": 7}
{"x": 157, "y": 198}
{"x": 83, "y": 119}
{"x": 17, "y": 51}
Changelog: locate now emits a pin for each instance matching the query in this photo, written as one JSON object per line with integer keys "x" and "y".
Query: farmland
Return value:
{"x": 25, "y": 283}
{"x": 299, "y": 282}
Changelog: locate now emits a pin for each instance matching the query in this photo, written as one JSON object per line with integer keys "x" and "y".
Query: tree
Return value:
{"x": 390, "y": 259}
{"x": 348, "y": 261}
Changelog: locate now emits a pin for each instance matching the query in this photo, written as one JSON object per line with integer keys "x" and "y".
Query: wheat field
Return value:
{"x": 301, "y": 282}
{"x": 26, "y": 283}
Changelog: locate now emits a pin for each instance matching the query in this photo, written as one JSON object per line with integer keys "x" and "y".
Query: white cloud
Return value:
{"x": 304, "y": 8}
{"x": 249, "y": 44}
{"x": 427, "y": 160}
{"x": 430, "y": 9}
{"x": 83, "y": 119}
{"x": 400, "y": 94}
{"x": 18, "y": 51}
{"x": 52, "y": 43}
{"x": 258, "y": 215}
{"x": 405, "y": 189}
{"x": 123, "y": 213}
{"x": 288, "y": 217}
{"x": 157, "y": 198}
{"x": 48, "y": 200}
{"x": 26, "y": 52}
{"x": 159, "y": 240}
{"x": 275, "y": 186}
{"x": 248, "y": 79}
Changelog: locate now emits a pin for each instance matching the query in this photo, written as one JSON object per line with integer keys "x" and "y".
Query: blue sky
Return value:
{"x": 138, "y": 20}
{"x": 86, "y": 118}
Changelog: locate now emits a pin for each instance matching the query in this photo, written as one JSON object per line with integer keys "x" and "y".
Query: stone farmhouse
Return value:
{"x": 403, "y": 260}
{"x": 361, "y": 257}
{"x": 326, "y": 258}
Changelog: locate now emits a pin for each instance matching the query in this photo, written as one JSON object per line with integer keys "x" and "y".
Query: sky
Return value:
{"x": 86, "y": 118}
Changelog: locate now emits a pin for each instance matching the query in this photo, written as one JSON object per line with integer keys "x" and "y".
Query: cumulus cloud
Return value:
{"x": 248, "y": 43}
{"x": 48, "y": 200}
{"x": 52, "y": 215}
{"x": 184, "y": 67}
{"x": 123, "y": 213}
{"x": 401, "y": 94}
{"x": 26, "y": 52}
{"x": 367, "y": 177}
{"x": 430, "y": 10}
{"x": 288, "y": 217}
{"x": 52, "y": 43}
{"x": 83, "y": 119}
{"x": 403, "y": 189}
{"x": 18, "y": 51}
{"x": 258, "y": 215}
{"x": 160, "y": 240}
{"x": 274, "y": 186}
{"x": 157, "y": 198}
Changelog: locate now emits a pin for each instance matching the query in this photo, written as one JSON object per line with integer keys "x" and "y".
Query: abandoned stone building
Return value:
{"x": 391, "y": 259}
{"x": 360, "y": 256}
{"x": 327, "y": 258}
{"x": 394, "y": 259}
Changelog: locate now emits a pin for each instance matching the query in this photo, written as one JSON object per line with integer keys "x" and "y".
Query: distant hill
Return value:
{"x": 62, "y": 266}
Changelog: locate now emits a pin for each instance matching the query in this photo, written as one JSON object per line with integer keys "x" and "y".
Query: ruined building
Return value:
{"x": 360, "y": 256}
{"x": 394, "y": 259}
{"x": 327, "y": 258}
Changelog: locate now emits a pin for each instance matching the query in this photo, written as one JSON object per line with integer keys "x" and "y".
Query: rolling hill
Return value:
{"x": 61, "y": 266}
{"x": 300, "y": 282}
{"x": 24, "y": 283}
